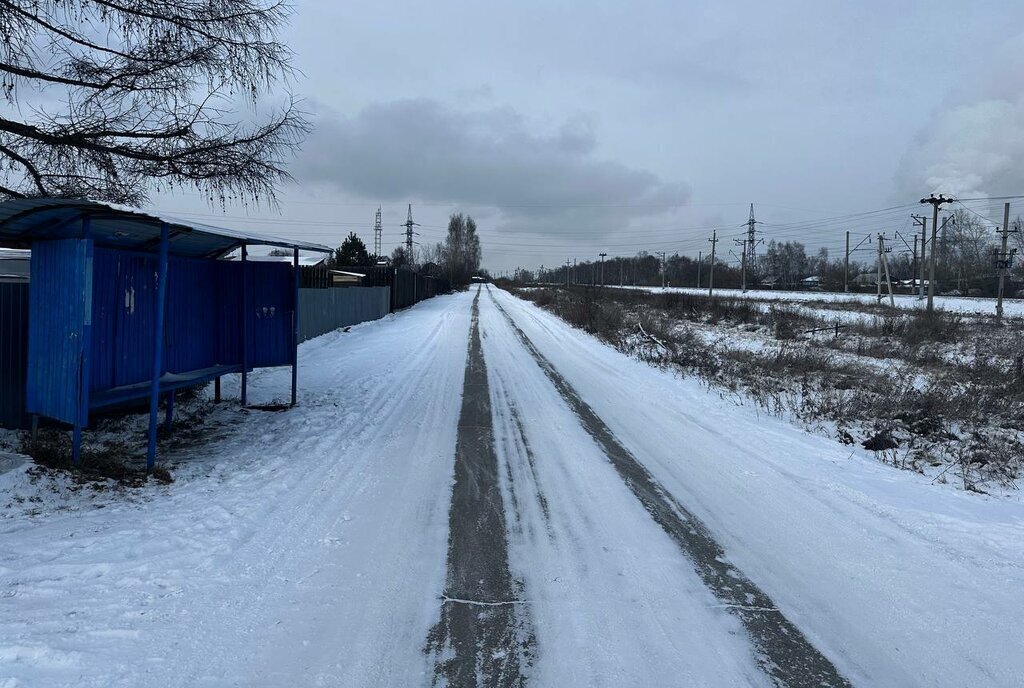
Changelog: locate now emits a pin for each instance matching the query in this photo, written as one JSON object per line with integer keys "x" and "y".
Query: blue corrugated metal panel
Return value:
{"x": 229, "y": 305}
{"x": 203, "y": 326}
{"x": 124, "y": 301}
{"x": 193, "y": 312}
{"x": 97, "y": 312}
{"x": 58, "y": 303}
{"x": 270, "y": 314}
{"x": 13, "y": 353}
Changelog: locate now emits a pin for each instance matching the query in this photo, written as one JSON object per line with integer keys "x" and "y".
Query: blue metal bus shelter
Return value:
{"x": 126, "y": 306}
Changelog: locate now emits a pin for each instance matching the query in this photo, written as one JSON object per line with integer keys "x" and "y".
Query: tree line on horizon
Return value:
{"x": 965, "y": 264}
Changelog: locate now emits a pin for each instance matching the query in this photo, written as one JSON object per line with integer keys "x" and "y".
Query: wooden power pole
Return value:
{"x": 923, "y": 222}
{"x": 711, "y": 268}
{"x": 1003, "y": 263}
{"x": 935, "y": 202}
{"x": 846, "y": 265}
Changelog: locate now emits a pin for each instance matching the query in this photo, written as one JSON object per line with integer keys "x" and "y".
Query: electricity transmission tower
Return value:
{"x": 602, "y": 267}
{"x": 378, "y": 231}
{"x": 750, "y": 250}
{"x": 409, "y": 233}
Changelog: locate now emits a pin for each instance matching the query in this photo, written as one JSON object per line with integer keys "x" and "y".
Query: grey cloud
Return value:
{"x": 974, "y": 146}
{"x": 541, "y": 182}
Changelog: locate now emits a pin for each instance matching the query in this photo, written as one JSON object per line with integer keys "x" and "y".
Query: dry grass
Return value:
{"x": 920, "y": 390}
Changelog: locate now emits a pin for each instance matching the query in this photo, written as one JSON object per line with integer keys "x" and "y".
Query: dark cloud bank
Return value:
{"x": 542, "y": 183}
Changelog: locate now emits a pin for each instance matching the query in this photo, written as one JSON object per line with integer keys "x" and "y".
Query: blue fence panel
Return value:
{"x": 59, "y": 301}
{"x": 13, "y": 353}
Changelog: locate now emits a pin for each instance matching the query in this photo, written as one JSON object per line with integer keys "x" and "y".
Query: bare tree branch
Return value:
{"x": 140, "y": 83}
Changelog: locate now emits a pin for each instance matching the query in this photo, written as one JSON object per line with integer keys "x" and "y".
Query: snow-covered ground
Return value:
{"x": 899, "y": 582}
{"x": 962, "y": 304}
{"x": 308, "y": 547}
{"x": 300, "y": 548}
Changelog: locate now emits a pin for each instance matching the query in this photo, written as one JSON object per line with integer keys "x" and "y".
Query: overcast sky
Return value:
{"x": 570, "y": 128}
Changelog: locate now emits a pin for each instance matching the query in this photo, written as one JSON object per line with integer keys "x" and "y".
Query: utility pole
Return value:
{"x": 923, "y": 222}
{"x": 878, "y": 268}
{"x": 743, "y": 263}
{"x": 602, "y": 267}
{"x": 566, "y": 273}
{"x": 378, "y": 231}
{"x": 575, "y": 276}
{"x": 662, "y": 254}
{"x": 913, "y": 267}
{"x": 700, "y": 264}
{"x": 846, "y": 265}
{"x": 409, "y": 224}
{"x": 935, "y": 203}
{"x": 711, "y": 268}
{"x": 1004, "y": 261}
{"x": 884, "y": 261}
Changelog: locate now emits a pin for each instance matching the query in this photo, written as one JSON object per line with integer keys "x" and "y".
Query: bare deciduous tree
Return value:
{"x": 461, "y": 249}
{"x": 111, "y": 98}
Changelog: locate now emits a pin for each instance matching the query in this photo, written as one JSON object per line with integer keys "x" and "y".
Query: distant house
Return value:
{"x": 812, "y": 282}
{"x": 342, "y": 278}
{"x": 867, "y": 279}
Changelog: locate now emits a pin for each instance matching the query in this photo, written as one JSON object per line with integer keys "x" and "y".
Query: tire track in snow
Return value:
{"x": 784, "y": 653}
{"x": 484, "y": 635}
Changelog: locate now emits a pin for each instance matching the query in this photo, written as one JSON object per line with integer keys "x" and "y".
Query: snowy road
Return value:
{"x": 473, "y": 493}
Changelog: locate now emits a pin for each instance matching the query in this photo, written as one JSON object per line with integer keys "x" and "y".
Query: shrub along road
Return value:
{"x": 472, "y": 492}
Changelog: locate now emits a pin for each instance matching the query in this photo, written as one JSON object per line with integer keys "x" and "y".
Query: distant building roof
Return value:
{"x": 305, "y": 261}
{"x": 15, "y": 254}
{"x": 14, "y": 264}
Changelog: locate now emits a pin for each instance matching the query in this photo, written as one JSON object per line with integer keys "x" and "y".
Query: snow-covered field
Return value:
{"x": 309, "y": 547}
{"x": 962, "y": 304}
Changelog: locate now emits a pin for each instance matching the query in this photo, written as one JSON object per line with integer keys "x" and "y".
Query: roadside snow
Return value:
{"x": 900, "y": 582}
{"x": 298, "y": 548}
